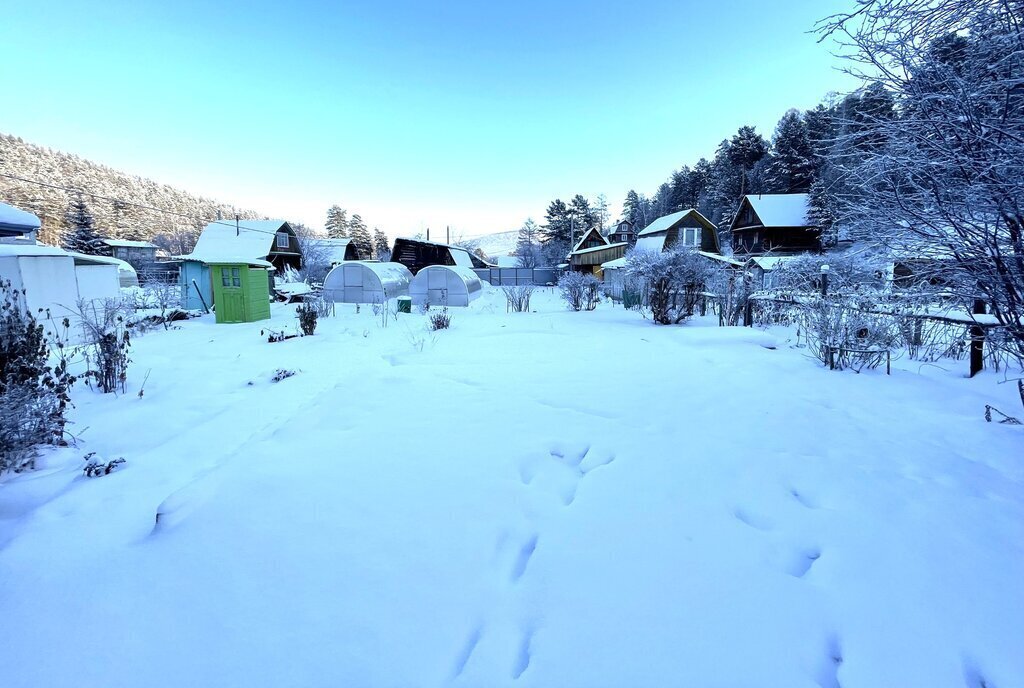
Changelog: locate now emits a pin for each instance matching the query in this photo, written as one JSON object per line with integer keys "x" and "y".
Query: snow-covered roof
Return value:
{"x": 461, "y": 257}
{"x": 125, "y": 243}
{"x": 332, "y": 249}
{"x": 781, "y": 210}
{"x": 769, "y": 263}
{"x": 220, "y": 242}
{"x": 88, "y": 259}
{"x": 720, "y": 257}
{"x": 602, "y": 247}
{"x": 25, "y": 248}
{"x": 665, "y": 222}
{"x": 16, "y": 220}
{"x": 614, "y": 264}
{"x": 654, "y": 243}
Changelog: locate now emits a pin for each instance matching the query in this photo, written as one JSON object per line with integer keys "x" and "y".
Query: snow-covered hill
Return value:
{"x": 499, "y": 244}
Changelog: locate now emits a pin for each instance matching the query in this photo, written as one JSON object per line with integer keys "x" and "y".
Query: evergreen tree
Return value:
{"x": 634, "y": 210}
{"x": 746, "y": 149}
{"x": 381, "y": 245}
{"x": 81, "y": 235}
{"x": 581, "y": 216}
{"x": 528, "y": 246}
{"x": 361, "y": 237}
{"x": 337, "y": 224}
{"x": 821, "y": 212}
{"x": 791, "y": 167}
{"x": 557, "y": 233}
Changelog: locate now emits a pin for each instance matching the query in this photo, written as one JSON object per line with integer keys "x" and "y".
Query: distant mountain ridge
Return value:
{"x": 175, "y": 230}
{"x": 498, "y": 244}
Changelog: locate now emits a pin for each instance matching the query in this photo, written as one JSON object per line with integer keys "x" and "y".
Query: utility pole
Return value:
{"x": 237, "y": 231}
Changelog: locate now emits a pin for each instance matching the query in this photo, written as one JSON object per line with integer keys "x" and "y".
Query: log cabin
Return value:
{"x": 775, "y": 223}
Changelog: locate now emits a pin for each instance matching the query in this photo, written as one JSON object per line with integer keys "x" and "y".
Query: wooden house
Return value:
{"x": 686, "y": 228}
{"x": 623, "y": 232}
{"x": 273, "y": 241}
{"x": 256, "y": 243}
{"x": 416, "y": 255}
{"x": 775, "y": 223}
{"x": 592, "y": 250}
{"x": 138, "y": 254}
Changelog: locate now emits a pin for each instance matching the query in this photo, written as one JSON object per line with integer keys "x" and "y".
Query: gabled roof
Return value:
{"x": 778, "y": 210}
{"x": 596, "y": 248}
{"x": 220, "y": 242}
{"x": 592, "y": 230}
{"x": 16, "y": 221}
{"x": 667, "y": 222}
{"x": 332, "y": 249}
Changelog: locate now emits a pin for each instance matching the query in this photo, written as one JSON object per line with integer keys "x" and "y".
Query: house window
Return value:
{"x": 691, "y": 237}
{"x": 282, "y": 239}
{"x": 236, "y": 277}
{"x": 225, "y": 277}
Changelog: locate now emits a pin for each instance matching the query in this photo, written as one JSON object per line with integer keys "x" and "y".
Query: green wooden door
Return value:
{"x": 231, "y": 301}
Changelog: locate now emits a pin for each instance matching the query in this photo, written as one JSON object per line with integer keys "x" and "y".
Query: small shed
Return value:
{"x": 366, "y": 282}
{"x": 196, "y": 287}
{"x": 241, "y": 290}
{"x": 445, "y": 285}
{"x": 46, "y": 273}
{"x": 139, "y": 254}
{"x": 98, "y": 277}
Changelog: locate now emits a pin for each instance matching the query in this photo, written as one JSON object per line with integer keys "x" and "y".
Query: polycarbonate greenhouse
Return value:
{"x": 366, "y": 282}
{"x": 445, "y": 285}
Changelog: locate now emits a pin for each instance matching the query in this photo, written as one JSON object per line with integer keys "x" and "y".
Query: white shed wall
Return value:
{"x": 98, "y": 282}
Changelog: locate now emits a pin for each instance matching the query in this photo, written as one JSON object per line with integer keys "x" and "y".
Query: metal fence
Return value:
{"x": 514, "y": 277}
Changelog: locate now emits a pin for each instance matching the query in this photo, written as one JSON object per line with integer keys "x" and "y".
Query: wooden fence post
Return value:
{"x": 977, "y": 340}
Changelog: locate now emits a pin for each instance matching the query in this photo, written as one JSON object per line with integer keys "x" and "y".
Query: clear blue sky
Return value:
{"x": 470, "y": 114}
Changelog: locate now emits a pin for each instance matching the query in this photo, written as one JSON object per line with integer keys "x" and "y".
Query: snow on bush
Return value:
{"x": 107, "y": 340}
{"x": 673, "y": 281}
{"x": 307, "y": 315}
{"x": 579, "y": 290}
{"x": 517, "y": 298}
{"x": 34, "y": 395}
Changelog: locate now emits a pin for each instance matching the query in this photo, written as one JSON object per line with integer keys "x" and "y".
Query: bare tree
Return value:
{"x": 943, "y": 180}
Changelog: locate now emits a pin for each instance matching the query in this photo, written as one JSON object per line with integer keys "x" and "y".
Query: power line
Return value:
{"x": 143, "y": 206}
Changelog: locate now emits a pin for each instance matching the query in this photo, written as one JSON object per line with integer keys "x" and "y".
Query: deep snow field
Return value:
{"x": 541, "y": 499}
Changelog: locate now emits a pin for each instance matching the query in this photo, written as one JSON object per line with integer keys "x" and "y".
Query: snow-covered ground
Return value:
{"x": 540, "y": 499}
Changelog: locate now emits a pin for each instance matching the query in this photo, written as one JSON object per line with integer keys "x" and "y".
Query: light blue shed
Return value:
{"x": 196, "y": 286}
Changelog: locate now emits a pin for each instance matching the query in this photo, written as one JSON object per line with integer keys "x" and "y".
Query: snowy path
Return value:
{"x": 490, "y": 511}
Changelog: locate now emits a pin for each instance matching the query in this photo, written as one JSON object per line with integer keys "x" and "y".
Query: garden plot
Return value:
{"x": 535, "y": 499}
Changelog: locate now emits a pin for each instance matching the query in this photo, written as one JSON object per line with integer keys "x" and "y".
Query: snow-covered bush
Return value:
{"x": 307, "y": 314}
{"x": 734, "y": 289}
{"x": 579, "y": 290}
{"x": 161, "y": 296}
{"x": 673, "y": 281}
{"x": 843, "y": 335}
{"x": 848, "y": 272}
{"x": 34, "y": 395}
{"x": 94, "y": 468}
{"x": 107, "y": 340}
{"x": 440, "y": 320}
{"x": 517, "y": 298}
